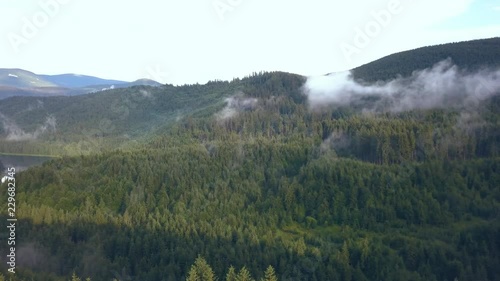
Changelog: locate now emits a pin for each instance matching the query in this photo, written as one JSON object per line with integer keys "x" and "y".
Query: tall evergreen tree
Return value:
{"x": 270, "y": 274}
{"x": 201, "y": 271}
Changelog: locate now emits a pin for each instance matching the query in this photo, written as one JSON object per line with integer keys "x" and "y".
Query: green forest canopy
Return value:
{"x": 331, "y": 194}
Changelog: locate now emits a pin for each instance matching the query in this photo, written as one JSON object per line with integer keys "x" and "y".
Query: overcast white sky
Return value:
{"x": 193, "y": 41}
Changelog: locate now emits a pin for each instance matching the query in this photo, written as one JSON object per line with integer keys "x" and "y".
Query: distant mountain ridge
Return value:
{"x": 78, "y": 81}
{"x": 19, "y": 78}
{"x": 20, "y": 82}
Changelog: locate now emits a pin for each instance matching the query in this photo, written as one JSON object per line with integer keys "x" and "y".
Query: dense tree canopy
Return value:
{"x": 272, "y": 191}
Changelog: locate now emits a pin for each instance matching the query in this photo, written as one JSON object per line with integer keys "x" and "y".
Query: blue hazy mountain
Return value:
{"x": 19, "y": 82}
{"x": 78, "y": 81}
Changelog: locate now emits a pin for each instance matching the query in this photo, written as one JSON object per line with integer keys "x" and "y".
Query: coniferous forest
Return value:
{"x": 243, "y": 180}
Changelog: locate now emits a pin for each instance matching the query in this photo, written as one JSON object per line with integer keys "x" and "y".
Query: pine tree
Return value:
{"x": 269, "y": 274}
{"x": 75, "y": 278}
{"x": 193, "y": 275}
{"x": 201, "y": 271}
{"x": 231, "y": 274}
{"x": 244, "y": 275}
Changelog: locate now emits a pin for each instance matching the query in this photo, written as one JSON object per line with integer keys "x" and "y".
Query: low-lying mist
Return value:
{"x": 443, "y": 85}
{"x": 236, "y": 104}
{"x": 15, "y": 133}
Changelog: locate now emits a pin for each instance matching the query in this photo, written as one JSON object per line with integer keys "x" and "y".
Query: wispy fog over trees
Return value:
{"x": 245, "y": 180}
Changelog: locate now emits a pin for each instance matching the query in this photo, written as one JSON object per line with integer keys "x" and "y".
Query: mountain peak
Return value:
{"x": 15, "y": 82}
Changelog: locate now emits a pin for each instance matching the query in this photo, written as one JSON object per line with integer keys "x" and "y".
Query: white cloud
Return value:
{"x": 443, "y": 85}
{"x": 236, "y": 104}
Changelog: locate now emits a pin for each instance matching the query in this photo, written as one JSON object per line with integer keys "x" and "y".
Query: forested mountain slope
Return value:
{"x": 19, "y": 82}
{"x": 100, "y": 121}
{"x": 112, "y": 118}
{"x": 248, "y": 174}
